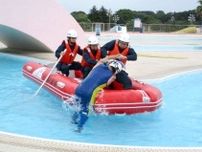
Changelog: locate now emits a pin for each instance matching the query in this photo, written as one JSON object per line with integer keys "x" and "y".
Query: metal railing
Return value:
{"x": 91, "y": 27}
{"x": 166, "y": 27}
{"x": 105, "y": 27}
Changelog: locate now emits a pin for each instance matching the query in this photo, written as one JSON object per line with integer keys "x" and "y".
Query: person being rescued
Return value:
{"x": 101, "y": 76}
{"x": 121, "y": 50}
{"x": 91, "y": 55}
{"x": 68, "y": 56}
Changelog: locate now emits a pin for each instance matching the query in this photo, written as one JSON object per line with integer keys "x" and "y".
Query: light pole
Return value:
{"x": 172, "y": 19}
{"x": 191, "y": 18}
{"x": 115, "y": 18}
{"x": 109, "y": 14}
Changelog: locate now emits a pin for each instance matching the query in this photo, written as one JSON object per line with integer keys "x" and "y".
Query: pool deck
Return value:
{"x": 149, "y": 65}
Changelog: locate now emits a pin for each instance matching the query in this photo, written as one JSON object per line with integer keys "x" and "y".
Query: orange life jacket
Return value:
{"x": 96, "y": 57}
{"x": 70, "y": 54}
{"x": 116, "y": 51}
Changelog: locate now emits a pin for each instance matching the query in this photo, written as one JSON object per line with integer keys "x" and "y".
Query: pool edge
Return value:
{"x": 10, "y": 142}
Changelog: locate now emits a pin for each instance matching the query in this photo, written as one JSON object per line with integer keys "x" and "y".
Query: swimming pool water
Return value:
{"x": 177, "y": 123}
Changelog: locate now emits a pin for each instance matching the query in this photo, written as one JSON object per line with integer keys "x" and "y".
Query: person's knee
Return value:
{"x": 58, "y": 66}
{"x": 76, "y": 66}
{"x": 65, "y": 69}
{"x": 86, "y": 71}
{"x": 128, "y": 86}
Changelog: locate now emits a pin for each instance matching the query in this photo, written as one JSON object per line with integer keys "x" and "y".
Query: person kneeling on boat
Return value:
{"x": 72, "y": 49}
{"x": 102, "y": 75}
{"x": 91, "y": 55}
{"x": 122, "y": 50}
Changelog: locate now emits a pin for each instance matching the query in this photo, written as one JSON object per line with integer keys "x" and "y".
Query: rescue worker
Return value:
{"x": 102, "y": 75}
{"x": 121, "y": 50}
{"x": 69, "y": 50}
{"x": 91, "y": 55}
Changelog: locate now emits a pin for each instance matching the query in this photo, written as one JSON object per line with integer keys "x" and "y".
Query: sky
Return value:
{"x": 138, "y": 5}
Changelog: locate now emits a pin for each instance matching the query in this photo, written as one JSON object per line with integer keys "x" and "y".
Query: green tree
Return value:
{"x": 80, "y": 16}
{"x": 125, "y": 15}
{"x": 199, "y": 10}
{"x": 82, "y": 19}
{"x": 147, "y": 17}
{"x": 103, "y": 15}
{"x": 182, "y": 17}
{"x": 94, "y": 14}
{"x": 100, "y": 15}
{"x": 161, "y": 16}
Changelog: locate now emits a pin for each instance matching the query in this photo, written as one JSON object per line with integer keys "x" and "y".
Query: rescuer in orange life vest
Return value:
{"x": 121, "y": 49}
{"x": 72, "y": 49}
{"x": 91, "y": 55}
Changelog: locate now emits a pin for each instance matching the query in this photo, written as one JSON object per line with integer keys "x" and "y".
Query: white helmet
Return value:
{"x": 72, "y": 33}
{"x": 117, "y": 65}
{"x": 124, "y": 37}
{"x": 92, "y": 40}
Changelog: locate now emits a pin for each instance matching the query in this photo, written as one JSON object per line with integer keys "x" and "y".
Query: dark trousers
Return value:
{"x": 80, "y": 117}
{"x": 122, "y": 77}
{"x": 86, "y": 70}
{"x": 64, "y": 68}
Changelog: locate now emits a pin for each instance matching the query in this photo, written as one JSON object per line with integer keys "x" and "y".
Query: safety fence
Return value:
{"x": 167, "y": 27}
{"x": 146, "y": 28}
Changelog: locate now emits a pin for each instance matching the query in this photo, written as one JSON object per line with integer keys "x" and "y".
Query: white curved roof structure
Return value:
{"x": 38, "y": 25}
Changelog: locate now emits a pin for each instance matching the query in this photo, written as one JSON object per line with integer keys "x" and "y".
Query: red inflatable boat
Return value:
{"x": 142, "y": 98}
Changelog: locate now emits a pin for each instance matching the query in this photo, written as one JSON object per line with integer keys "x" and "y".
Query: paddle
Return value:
{"x": 49, "y": 74}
